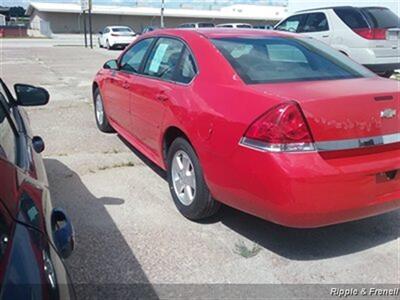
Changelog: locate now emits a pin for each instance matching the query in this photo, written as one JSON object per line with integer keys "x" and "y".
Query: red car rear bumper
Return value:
{"x": 308, "y": 189}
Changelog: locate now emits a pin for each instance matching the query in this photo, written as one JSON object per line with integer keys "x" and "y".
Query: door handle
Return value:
{"x": 325, "y": 36}
{"x": 162, "y": 97}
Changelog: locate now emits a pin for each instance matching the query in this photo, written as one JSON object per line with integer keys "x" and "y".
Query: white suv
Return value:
{"x": 369, "y": 35}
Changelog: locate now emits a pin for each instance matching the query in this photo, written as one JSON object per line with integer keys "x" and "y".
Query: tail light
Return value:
{"x": 372, "y": 33}
{"x": 114, "y": 34}
{"x": 281, "y": 129}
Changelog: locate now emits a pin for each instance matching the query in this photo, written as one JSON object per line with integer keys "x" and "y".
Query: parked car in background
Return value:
{"x": 285, "y": 128}
{"x": 369, "y": 35}
{"x": 116, "y": 37}
{"x": 266, "y": 27}
{"x": 34, "y": 236}
{"x": 148, "y": 29}
{"x": 234, "y": 25}
{"x": 197, "y": 25}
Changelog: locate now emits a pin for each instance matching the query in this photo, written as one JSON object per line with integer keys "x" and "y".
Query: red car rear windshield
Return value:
{"x": 275, "y": 59}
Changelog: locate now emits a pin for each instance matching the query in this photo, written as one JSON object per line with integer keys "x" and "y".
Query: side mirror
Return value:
{"x": 63, "y": 232}
{"x": 111, "y": 64}
{"x": 38, "y": 144}
{"x": 28, "y": 95}
{"x": 100, "y": 32}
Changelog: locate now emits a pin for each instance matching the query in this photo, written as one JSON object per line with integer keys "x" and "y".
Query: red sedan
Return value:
{"x": 275, "y": 124}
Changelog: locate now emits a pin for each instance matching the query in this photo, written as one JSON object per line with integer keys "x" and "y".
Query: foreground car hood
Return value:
{"x": 343, "y": 109}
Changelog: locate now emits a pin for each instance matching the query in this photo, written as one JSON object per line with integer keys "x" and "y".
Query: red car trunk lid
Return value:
{"x": 344, "y": 109}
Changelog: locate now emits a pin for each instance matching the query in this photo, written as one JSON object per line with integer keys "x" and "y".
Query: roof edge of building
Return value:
{"x": 274, "y": 12}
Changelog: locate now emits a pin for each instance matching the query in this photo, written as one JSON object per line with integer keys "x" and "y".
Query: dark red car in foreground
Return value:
{"x": 34, "y": 236}
{"x": 275, "y": 124}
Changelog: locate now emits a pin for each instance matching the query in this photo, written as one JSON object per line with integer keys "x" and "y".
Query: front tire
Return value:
{"x": 186, "y": 182}
{"x": 100, "y": 113}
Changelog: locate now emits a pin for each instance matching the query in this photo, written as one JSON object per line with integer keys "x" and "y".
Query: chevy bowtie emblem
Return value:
{"x": 388, "y": 113}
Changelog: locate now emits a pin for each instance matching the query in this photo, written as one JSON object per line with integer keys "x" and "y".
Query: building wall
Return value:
{"x": 73, "y": 23}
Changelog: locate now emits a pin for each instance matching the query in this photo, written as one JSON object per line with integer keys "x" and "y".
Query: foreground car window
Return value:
{"x": 132, "y": 59}
{"x": 264, "y": 60}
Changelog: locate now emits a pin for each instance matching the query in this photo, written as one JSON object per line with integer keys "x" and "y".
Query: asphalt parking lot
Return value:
{"x": 127, "y": 228}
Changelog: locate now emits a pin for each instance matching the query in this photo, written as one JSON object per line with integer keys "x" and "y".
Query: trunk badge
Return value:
{"x": 388, "y": 113}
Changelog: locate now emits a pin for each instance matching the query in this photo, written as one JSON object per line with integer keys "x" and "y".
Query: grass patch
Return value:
{"x": 113, "y": 151}
{"x": 246, "y": 252}
{"x": 61, "y": 154}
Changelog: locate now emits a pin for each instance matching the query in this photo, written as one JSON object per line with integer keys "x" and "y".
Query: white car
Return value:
{"x": 369, "y": 35}
{"x": 116, "y": 37}
{"x": 234, "y": 25}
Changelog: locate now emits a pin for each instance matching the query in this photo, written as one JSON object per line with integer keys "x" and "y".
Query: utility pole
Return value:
{"x": 84, "y": 8}
{"x": 162, "y": 14}
{"x": 90, "y": 24}
{"x": 84, "y": 27}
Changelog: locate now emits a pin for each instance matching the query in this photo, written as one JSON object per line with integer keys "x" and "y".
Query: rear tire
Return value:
{"x": 100, "y": 113}
{"x": 186, "y": 182}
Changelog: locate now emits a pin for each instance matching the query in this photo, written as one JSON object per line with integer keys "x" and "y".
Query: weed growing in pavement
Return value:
{"x": 246, "y": 252}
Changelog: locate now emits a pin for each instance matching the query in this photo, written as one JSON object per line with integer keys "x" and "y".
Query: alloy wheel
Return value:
{"x": 99, "y": 110}
{"x": 183, "y": 178}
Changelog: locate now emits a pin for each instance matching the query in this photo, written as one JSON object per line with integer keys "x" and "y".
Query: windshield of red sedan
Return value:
{"x": 272, "y": 59}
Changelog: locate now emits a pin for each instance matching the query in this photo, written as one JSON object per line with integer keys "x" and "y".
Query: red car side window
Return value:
{"x": 132, "y": 59}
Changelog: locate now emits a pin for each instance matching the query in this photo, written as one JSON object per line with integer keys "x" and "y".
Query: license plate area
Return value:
{"x": 393, "y": 35}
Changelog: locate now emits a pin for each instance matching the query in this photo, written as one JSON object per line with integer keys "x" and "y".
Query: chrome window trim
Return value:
{"x": 337, "y": 145}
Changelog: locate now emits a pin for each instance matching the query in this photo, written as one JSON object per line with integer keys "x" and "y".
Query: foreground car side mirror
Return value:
{"x": 100, "y": 32}
{"x": 63, "y": 232}
{"x": 111, "y": 65}
{"x": 28, "y": 95}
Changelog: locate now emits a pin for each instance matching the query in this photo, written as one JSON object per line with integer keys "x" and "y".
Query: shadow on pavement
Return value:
{"x": 318, "y": 243}
{"x": 102, "y": 265}
{"x": 160, "y": 172}
{"x": 303, "y": 244}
